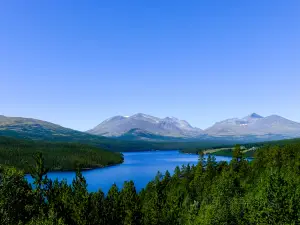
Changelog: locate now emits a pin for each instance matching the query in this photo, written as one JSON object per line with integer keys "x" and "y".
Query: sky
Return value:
{"x": 77, "y": 63}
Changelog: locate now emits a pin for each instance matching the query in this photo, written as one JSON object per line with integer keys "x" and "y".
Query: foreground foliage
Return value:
{"x": 263, "y": 191}
{"x": 58, "y": 156}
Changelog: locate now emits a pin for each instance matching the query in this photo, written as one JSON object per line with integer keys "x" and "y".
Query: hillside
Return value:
{"x": 137, "y": 134}
{"x": 42, "y": 130}
{"x": 249, "y": 149}
{"x": 32, "y": 129}
{"x": 58, "y": 156}
{"x": 133, "y": 140}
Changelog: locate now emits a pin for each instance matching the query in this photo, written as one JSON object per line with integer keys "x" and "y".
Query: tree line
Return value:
{"x": 265, "y": 190}
{"x": 58, "y": 156}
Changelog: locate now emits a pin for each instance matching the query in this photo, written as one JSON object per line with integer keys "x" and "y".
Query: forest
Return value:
{"x": 198, "y": 147}
{"x": 265, "y": 190}
{"x": 112, "y": 144}
{"x": 58, "y": 156}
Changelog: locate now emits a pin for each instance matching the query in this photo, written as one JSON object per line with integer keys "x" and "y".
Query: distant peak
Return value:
{"x": 255, "y": 115}
{"x": 114, "y": 118}
{"x": 139, "y": 115}
{"x": 274, "y": 116}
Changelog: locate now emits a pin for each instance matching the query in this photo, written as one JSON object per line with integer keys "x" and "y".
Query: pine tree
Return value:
{"x": 16, "y": 198}
{"x": 113, "y": 210}
{"x": 39, "y": 175}
{"x": 80, "y": 200}
{"x": 130, "y": 204}
{"x": 97, "y": 209}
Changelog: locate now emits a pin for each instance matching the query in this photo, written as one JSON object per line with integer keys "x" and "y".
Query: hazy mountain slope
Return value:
{"x": 33, "y": 128}
{"x": 249, "y": 129}
{"x": 137, "y": 134}
{"x": 119, "y": 125}
{"x": 26, "y": 128}
{"x": 255, "y": 125}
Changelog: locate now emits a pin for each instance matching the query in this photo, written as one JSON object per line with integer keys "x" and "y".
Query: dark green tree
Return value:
{"x": 80, "y": 200}
{"x": 113, "y": 208}
{"x": 97, "y": 209}
{"x": 16, "y": 198}
{"x": 131, "y": 204}
{"x": 39, "y": 175}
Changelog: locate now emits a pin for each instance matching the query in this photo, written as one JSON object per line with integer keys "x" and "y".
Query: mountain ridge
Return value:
{"x": 253, "y": 124}
{"x": 168, "y": 126}
{"x": 143, "y": 127}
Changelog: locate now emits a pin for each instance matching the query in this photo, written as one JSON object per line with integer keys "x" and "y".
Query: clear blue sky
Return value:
{"x": 77, "y": 63}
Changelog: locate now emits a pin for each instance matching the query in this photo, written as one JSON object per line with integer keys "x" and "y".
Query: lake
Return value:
{"x": 141, "y": 167}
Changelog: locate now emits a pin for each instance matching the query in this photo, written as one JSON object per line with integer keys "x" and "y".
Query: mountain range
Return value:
{"x": 146, "y": 125}
{"x": 28, "y": 128}
{"x": 255, "y": 124}
{"x": 133, "y": 140}
{"x": 112, "y": 132}
{"x": 169, "y": 126}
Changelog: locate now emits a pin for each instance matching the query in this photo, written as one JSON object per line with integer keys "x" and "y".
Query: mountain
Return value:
{"x": 145, "y": 127}
{"x": 37, "y": 129}
{"x": 134, "y": 140}
{"x": 137, "y": 134}
{"x": 169, "y": 126}
{"x": 143, "y": 132}
{"x": 27, "y": 128}
{"x": 255, "y": 124}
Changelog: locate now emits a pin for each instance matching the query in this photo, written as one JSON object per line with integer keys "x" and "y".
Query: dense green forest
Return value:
{"x": 265, "y": 190}
{"x": 58, "y": 156}
{"x": 198, "y": 147}
{"x": 279, "y": 143}
{"x": 229, "y": 152}
{"x": 112, "y": 144}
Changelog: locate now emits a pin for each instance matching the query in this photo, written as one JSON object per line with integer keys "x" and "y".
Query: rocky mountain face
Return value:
{"x": 255, "y": 124}
{"x": 252, "y": 125}
{"x": 169, "y": 126}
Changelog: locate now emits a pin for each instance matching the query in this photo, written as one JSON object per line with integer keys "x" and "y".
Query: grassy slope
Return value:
{"x": 58, "y": 156}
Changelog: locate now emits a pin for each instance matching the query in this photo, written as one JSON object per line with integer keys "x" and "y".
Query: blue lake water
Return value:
{"x": 141, "y": 167}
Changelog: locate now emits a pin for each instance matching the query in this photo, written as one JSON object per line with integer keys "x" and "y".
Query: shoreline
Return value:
{"x": 74, "y": 170}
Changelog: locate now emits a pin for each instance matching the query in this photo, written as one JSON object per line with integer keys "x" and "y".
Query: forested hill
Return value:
{"x": 263, "y": 191}
{"x": 226, "y": 149}
{"x": 279, "y": 143}
{"x": 110, "y": 144}
{"x": 58, "y": 156}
